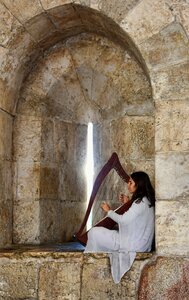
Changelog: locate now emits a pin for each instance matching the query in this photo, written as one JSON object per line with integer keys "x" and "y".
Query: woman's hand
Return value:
{"x": 105, "y": 206}
{"x": 123, "y": 198}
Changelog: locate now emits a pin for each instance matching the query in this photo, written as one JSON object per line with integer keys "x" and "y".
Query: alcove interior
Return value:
{"x": 84, "y": 78}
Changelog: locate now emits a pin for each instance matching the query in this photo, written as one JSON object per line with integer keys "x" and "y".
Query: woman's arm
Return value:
{"x": 128, "y": 216}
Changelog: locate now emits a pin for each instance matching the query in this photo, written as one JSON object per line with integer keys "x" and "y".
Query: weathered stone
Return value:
{"x": 19, "y": 280}
{"x": 171, "y": 117}
{"x": 5, "y": 181}
{"x": 59, "y": 221}
{"x": 64, "y": 282}
{"x": 27, "y": 138}
{"x": 26, "y": 180}
{"x": 171, "y": 83}
{"x": 147, "y": 19}
{"x": 97, "y": 268}
{"x": 169, "y": 46}
{"x": 133, "y": 137}
{"x": 26, "y": 216}
{"x": 14, "y": 66}
{"x": 22, "y": 9}
{"x": 40, "y": 27}
{"x": 72, "y": 215}
{"x": 65, "y": 17}
{"x": 172, "y": 221}
{"x": 49, "y": 181}
{"x": 48, "y": 143}
{"x": 168, "y": 273}
{"x": 49, "y": 4}
{"x": 6, "y": 221}
{"x": 6, "y": 121}
{"x": 180, "y": 11}
{"x": 50, "y": 221}
{"x": 117, "y": 10}
{"x": 8, "y": 25}
{"x": 172, "y": 173}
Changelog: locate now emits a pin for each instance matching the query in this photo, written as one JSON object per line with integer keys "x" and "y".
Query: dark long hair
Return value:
{"x": 143, "y": 188}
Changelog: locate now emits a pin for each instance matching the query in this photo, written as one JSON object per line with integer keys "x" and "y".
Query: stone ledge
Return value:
{"x": 63, "y": 250}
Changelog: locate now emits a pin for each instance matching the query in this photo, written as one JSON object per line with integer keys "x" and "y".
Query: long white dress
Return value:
{"x": 135, "y": 234}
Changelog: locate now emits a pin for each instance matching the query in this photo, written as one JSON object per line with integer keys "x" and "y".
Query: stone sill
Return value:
{"x": 56, "y": 251}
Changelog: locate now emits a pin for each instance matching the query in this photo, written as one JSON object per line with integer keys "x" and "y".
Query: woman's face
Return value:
{"x": 131, "y": 186}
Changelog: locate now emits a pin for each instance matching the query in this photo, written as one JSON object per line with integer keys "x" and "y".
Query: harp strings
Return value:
{"x": 104, "y": 194}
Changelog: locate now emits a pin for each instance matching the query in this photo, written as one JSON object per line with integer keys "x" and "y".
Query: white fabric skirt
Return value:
{"x": 101, "y": 239}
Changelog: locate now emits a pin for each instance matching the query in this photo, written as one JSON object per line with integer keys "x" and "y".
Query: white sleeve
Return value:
{"x": 128, "y": 216}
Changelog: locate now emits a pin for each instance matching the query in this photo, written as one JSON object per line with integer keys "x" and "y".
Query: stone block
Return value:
{"x": 47, "y": 142}
{"x": 116, "y": 10}
{"x": 64, "y": 17}
{"x": 72, "y": 215}
{"x": 26, "y": 227}
{"x": 26, "y": 180}
{"x": 171, "y": 83}
{"x": 172, "y": 126}
{"x": 6, "y": 221}
{"x": 27, "y": 138}
{"x": 169, "y": 46}
{"x": 165, "y": 278}
{"x": 172, "y": 221}
{"x": 50, "y": 221}
{"x": 65, "y": 141}
{"x": 49, "y": 4}
{"x": 59, "y": 62}
{"x": 23, "y": 10}
{"x": 6, "y": 122}
{"x": 64, "y": 282}
{"x": 60, "y": 220}
{"x": 14, "y": 64}
{"x": 40, "y": 27}
{"x": 5, "y": 181}
{"x": 133, "y": 137}
{"x": 172, "y": 171}
{"x": 68, "y": 187}
{"x": 49, "y": 181}
{"x": 97, "y": 282}
{"x": 8, "y": 26}
{"x": 149, "y": 21}
{"x": 19, "y": 280}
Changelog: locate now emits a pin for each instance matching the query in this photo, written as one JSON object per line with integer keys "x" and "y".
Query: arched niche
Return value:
{"x": 86, "y": 78}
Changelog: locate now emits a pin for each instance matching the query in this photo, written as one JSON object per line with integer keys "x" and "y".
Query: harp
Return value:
{"x": 112, "y": 163}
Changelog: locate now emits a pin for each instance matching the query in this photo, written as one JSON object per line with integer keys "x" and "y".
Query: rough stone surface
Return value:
{"x": 170, "y": 46}
{"x": 26, "y": 222}
{"x": 172, "y": 173}
{"x": 64, "y": 282}
{"x": 172, "y": 236}
{"x": 136, "y": 137}
{"x": 23, "y": 10}
{"x": 171, "y": 83}
{"x": 26, "y": 180}
{"x": 168, "y": 273}
{"x": 171, "y": 116}
{"x": 18, "y": 280}
{"x": 117, "y": 10}
{"x": 147, "y": 19}
{"x": 6, "y": 122}
{"x": 27, "y": 138}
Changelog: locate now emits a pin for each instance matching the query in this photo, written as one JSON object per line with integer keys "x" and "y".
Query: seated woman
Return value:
{"x": 136, "y": 227}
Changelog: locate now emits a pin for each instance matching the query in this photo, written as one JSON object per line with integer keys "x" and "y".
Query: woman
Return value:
{"x": 136, "y": 227}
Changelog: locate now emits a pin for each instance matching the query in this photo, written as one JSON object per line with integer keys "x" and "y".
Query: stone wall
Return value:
{"x": 157, "y": 33}
{"x": 43, "y": 275}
